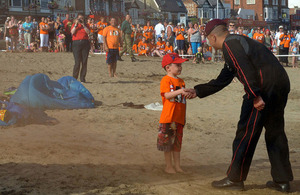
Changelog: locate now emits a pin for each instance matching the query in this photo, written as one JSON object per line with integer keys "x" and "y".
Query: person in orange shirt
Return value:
{"x": 148, "y": 31}
{"x": 100, "y": 26}
{"x": 44, "y": 35}
{"x": 169, "y": 48}
{"x": 259, "y": 36}
{"x": 139, "y": 34}
{"x": 112, "y": 42}
{"x": 285, "y": 40}
{"x": 92, "y": 35}
{"x": 160, "y": 48}
{"x": 172, "y": 118}
{"x": 180, "y": 31}
{"x": 151, "y": 46}
{"x": 143, "y": 47}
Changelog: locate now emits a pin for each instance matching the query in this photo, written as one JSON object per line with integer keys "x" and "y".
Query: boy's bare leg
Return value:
{"x": 176, "y": 156}
{"x": 110, "y": 70}
{"x": 114, "y": 68}
{"x": 169, "y": 167}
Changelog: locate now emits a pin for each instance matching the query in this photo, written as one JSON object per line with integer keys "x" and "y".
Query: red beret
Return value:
{"x": 212, "y": 24}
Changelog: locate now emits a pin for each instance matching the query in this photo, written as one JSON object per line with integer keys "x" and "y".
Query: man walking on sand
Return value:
{"x": 267, "y": 85}
{"x": 127, "y": 42}
{"x": 111, "y": 42}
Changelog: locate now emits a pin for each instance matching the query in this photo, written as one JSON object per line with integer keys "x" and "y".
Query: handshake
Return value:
{"x": 189, "y": 93}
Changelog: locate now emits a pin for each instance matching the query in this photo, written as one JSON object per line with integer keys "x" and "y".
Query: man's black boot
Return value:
{"x": 282, "y": 187}
{"x": 227, "y": 184}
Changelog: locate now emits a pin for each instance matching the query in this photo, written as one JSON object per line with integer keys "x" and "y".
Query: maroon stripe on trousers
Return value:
{"x": 248, "y": 144}
{"x": 240, "y": 142}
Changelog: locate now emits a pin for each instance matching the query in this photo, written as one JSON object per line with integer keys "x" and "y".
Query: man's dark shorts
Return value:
{"x": 112, "y": 56}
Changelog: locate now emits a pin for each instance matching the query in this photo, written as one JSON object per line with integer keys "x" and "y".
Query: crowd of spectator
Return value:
{"x": 149, "y": 40}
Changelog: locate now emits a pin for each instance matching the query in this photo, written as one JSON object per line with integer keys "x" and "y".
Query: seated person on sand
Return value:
{"x": 206, "y": 53}
{"x": 199, "y": 57}
{"x": 33, "y": 47}
{"x": 190, "y": 51}
{"x": 160, "y": 48}
{"x": 135, "y": 47}
{"x": 151, "y": 47}
{"x": 143, "y": 47}
{"x": 169, "y": 48}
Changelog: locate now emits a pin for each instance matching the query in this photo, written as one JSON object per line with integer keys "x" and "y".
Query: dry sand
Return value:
{"x": 112, "y": 149}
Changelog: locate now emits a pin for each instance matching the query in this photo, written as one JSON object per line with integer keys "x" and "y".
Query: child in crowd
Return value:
{"x": 190, "y": 51}
{"x": 143, "y": 47}
{"x": 61, "y": 41}
{"x": 295, "y": 51}
{"x": 168, "y": 48}
{"x": 199, "y": 56}
{"x": 34, "y": 46}
{"x": 172, "y": 119}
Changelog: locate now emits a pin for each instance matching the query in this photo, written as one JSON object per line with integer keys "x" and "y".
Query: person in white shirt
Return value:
{"x": 158, "y": 28}
{"x": 277, "y": 35}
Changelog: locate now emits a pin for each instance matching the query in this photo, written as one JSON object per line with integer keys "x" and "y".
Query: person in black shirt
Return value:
{"x": 267, "y": 86}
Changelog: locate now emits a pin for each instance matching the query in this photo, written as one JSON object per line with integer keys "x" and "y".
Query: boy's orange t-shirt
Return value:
{"x": 43, "y": 24}
{"x": 173, "y": 109}
{"x": 161, "y": 45}
{"x": 180, "y": 36}
{"x": 101, "y": 26}
{"x": 112, "y": 35}
{"x": 259, "y": 37}
{"x": 169, "y": 49}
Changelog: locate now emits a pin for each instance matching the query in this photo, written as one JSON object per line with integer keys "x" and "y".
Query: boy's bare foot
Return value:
{"x": 179, "y": 170}
{"x": 170, "y": 170}
{"x": 115, "y": 75}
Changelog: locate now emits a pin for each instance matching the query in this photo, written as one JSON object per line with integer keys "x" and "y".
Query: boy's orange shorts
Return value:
{"x": 169, "y": 137}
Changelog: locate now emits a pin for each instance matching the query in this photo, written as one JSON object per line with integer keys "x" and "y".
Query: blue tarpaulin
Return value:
{"x": 37, "y": 93}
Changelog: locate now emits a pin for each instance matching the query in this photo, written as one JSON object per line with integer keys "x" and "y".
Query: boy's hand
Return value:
{"x": 191, "y": 93}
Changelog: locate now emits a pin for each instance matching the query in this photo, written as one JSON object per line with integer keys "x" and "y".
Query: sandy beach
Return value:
{"x": 111, "y": 149}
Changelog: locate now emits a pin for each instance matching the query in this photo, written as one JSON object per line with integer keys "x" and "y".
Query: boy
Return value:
{"x": 199, "y": 56}
{"x": 111, "y": 42}
{"x": 172, "y": 118}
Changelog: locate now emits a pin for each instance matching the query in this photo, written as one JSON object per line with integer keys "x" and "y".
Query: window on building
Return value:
{"x": 265, "y": 14}
{"x": 236, "y": 2}
{"x": 275, "y": 13}
{"x": 275, "y": 2}
{"x": 250, "y": 1}
{"x": 15, "y": 3}
{"x": 266, "y": 2}
{"x": 205, "y": 13}
{"x": 201, "y": 13}
{"x": 283, "y": 2}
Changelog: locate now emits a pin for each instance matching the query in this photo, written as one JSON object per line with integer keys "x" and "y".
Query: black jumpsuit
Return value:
{"x": 262, "y": 75}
